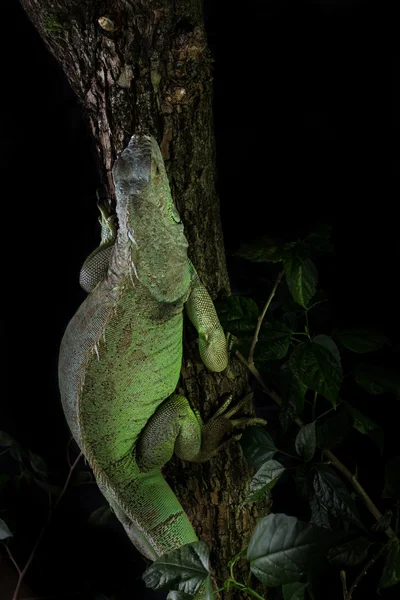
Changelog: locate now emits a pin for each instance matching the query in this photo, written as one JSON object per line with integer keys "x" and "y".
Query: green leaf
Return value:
{"x": 273, "y": 341}
{"x": 361, "y": 340}
{"x": 317, "y": 365}
{"x": 293, "y": 392}
{"x": 306, "y": 441}
{"x": 334, "y": 495}
{"x": 334, "y": 429}
{"x": 301, "y": 278}
{"x": 383, "y": 523}
{"x": 377, "y": 380}
{"x": 5, "y": 439}
{"x": 257, "y": 445}
{"x": 185, "y": 568}
{"x": 351, "y": 553}
{"x": 294, "y": 591}
{"x": 282, "y": 549}
{"x": 365, "y": 425}
{"x": 391, "y": 570}
{"x": 262, "y": 250}
{"x": 392, "y": 479}
{"x": 264, "y": 480}
{"x": 4, "y": 530}
{"x": 237, "y": 314}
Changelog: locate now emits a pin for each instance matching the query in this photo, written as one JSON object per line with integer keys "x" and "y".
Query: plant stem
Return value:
{"x": 326, "y": 412}
{"x": 261, "y": 317}
{"x": 21, "y": 574}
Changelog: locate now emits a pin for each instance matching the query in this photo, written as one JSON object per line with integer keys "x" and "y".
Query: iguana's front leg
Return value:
{"x": 175, "y": 426}
{"x": 94, "y": 269}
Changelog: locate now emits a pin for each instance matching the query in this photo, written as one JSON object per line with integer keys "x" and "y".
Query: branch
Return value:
{"x": 261, "y": 317}
{"x": 327, "y": 453}
{"x": 364, "y": 570}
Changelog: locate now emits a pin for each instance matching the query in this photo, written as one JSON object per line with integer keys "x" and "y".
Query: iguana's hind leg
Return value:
{"x": 176, "y": 427}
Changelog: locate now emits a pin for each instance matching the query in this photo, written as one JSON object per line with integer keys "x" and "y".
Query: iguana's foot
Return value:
{"x": 221, "y": 423}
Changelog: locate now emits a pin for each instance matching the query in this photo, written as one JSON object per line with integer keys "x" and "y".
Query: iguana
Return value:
{"x": 121, "y": 355}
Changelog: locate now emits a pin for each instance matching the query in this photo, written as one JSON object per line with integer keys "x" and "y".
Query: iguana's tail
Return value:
{"x": 147, "y": 507}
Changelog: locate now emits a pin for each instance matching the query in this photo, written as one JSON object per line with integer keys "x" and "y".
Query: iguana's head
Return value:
{"x": 148, "y": 220}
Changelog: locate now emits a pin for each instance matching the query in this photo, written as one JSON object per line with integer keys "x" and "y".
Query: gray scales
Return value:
{"x": 121, "y": 355}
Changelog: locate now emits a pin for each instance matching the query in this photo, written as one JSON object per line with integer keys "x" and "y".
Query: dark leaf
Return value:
{"x": 391, "y": 570}
{"x": 383, "y": 523}
{"x": 17, "y": 451}
{"x": 334, "y": 495}
{"x": 257, "y": 445}
{"x": 282, "y": 549}
{"x": 5, "y": 439}
{"x": 264, "y": 480}
{"x": 301, "y": 278}
{"x": 238, "y": 314}
{"x": 262, "y": 250}
{"x": 365, "y": 425}
{"x": 333, "y": 430}
{"x": 38, "y": 465}
{"x": 306, "y": 441}
{"x": 377, "y": 380}
{"x": 351, "y": 553}
{"x": 101, "y": 516}
{"x": 294, "y": 591}
{"x": 361, "y": 340}
{"x": 4, "y": 479}
{"x": 273, "y": 341}
{"x": 320, "y": 515}
{"x": 54, "y": 490}
{"x": 4, "y": 530}
{"x": 317, "y": 365}
{"x": 293, "y": 392}
{"x": 291, "y": 320}
{"x": 174, "y": 595}
{"x": 319, "y": 241}
{"x": 185, "y": 568}
{"x": 392, "y": 479}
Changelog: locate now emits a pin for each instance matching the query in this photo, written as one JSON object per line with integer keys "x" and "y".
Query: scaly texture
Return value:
{"x": 121, "y": 355}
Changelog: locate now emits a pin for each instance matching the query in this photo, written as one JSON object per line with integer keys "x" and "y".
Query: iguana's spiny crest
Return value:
{"x": 149, "y": 223}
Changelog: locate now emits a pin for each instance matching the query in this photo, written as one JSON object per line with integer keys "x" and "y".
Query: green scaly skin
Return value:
{"x": 121, "y": 355}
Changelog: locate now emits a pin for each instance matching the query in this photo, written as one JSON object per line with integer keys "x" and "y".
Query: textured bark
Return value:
{"x": 145, "y": 66}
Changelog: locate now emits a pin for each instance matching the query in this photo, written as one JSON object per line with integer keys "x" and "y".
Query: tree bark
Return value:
{"x": 144, "y": 66}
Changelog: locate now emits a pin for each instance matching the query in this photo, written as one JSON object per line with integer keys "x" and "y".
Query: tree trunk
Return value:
{"x": 146, "y": 67}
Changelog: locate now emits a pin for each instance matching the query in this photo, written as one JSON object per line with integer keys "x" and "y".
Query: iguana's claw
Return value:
{"x": 221, "y": 423}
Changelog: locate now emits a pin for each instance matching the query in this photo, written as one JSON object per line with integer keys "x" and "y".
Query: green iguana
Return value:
{"x": 121, "y": 355}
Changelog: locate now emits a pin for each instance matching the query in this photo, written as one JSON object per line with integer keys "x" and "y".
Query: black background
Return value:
{"x": 306, "y": 121}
